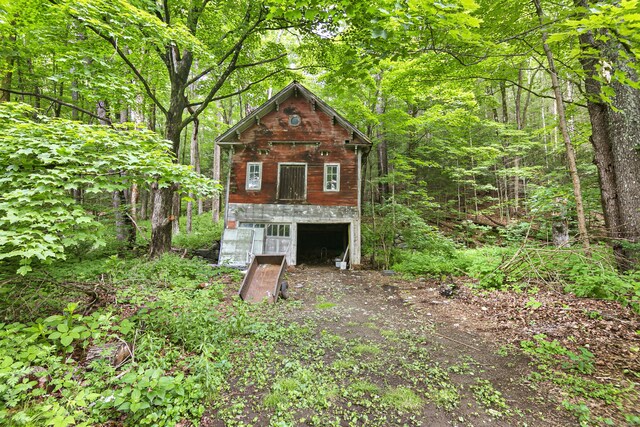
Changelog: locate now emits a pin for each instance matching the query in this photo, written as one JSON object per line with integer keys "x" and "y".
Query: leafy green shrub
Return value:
{"x": 39, "y": 220}
{"x": 595, "y": 276}
{"x": 168, "y": 270}
{"x": 515, "y": 232}
{"x": 33, "y": 365}
{"x": 428, "y": 263}
{"x": 204, "y": 233}
{"x": 484, "y": 264}
{"x": 396, "y": 230}
{"x": 149, "y": 397}
{"x": 183, "y": 338}
{"x": 586, "y": 280}
{"x": 189, "y": 318}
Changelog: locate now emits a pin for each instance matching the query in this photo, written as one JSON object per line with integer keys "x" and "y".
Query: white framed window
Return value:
{"x": 331, "y": 177}
{"x": 252, "y": 225}
{"x": 272, "y": 230}
{"x": 254, "y": 176}
{"x": 278, "y": 230}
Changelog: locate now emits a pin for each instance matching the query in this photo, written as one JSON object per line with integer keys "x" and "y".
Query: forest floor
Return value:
{"x": 378, "y": 350}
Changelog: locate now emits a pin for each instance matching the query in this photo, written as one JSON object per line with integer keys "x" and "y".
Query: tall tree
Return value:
{"x": 562, "y": 123}
{"x": 610, "y": 48}
{"x": 224, "y": 37}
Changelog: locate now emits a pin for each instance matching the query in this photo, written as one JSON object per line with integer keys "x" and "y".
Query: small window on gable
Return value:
{"x": 254, "y": 176}
{"x": 294, "y": 120}
{"x": 331, "y": 177}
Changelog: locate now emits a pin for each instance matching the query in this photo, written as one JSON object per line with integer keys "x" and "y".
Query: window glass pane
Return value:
{"x": 253, "y": 176}
{"x": 331, "y": 177}
{"x": 277, "y": 230}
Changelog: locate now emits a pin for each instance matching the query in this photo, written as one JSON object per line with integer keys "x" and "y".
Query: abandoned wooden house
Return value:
{"x": 294, "y": 184}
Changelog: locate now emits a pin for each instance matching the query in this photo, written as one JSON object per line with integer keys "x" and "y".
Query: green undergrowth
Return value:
{"x": 512, "y": 267}
{"x": 171, "y": 311}
{"x": 397, "y": 237}
{"x": 571, "y": 371}
{"x": 203, "y": 232}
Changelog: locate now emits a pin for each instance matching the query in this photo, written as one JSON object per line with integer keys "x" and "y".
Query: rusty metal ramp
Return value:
{"x": 263, "y": 279}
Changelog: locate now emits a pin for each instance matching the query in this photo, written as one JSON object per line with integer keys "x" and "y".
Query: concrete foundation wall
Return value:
{"x": 300, "y": 214}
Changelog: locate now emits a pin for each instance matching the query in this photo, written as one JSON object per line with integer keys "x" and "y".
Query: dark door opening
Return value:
{"x": 321, "y": 243}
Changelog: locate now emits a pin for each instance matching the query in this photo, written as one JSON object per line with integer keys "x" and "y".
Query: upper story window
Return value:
{"x": 254, "y": 176}
{"x": 331, "y": 177}
{"x": 292, "y": 181}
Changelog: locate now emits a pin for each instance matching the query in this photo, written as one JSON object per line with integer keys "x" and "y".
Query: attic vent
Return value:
{"x": 294, "y": 120}
{"x": 324, "y": 153}
{"x": 346, "y": 141}
{"x": 263, "y": 152}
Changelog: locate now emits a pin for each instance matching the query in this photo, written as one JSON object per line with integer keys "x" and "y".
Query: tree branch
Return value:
{"x": 247, "y": 87}
{"x": 216, "y": 87}
{"x": 63, "y": 103}
{"x": 131, "y": 66}
{"x": 265, "y": 61}
{"x": 499, "y": 79}
{"x": 240, "y": 42}
{"x": 530, "y": 30}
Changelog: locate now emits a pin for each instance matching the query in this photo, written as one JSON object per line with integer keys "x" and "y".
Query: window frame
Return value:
{"x": 282, "y": 230}
{"x": 306, "y": 180}
{"x": 325, "y": 181}
{"x": 246, "y": 186}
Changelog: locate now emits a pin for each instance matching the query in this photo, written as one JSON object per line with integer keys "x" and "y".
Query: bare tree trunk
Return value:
{"x": 215, "y": 202}
{"x": 560, "y": 224}
{"x": 505, "y": 120}
{"x": 135, "y": 193}
{"x": 144, "y": 200}
{"x": 383, "y": 159}
{"x": 615, "y": 132}
{"x": 195, "y": 163}
{"x": 562, "y": 123}
{"x": 117, "y": 209}
{"x": 7, "y": 77}
{"x": 516, "y": 160}
{"x": 161, "y": 219}
{"x": 6, "y": 84}
{"x": 176, "y": 209}
{"x": 101, "y": 111}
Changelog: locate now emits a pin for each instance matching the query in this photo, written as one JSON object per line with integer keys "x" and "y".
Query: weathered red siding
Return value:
{"x": 320, "y": 142}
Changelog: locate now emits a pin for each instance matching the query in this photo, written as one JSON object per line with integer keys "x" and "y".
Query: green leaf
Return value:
{"x": 66, "y": 340}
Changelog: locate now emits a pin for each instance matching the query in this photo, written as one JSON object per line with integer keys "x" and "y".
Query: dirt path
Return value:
{"x": 361, "y": 355}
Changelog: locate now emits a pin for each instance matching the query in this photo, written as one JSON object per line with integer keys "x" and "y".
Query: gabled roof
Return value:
{"x": 231, "y": 135}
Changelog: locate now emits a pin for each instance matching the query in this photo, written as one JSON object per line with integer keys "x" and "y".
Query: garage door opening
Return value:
{"x": 321, "y": 243}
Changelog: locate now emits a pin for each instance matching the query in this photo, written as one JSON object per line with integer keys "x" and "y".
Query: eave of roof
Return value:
{"x": 230, "y": 136}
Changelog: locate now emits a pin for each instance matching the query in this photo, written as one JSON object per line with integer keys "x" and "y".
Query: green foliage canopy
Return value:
{"x": 44, "y": 160}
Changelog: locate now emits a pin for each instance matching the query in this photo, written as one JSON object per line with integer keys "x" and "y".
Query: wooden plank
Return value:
{"x": 248, "y": 279}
